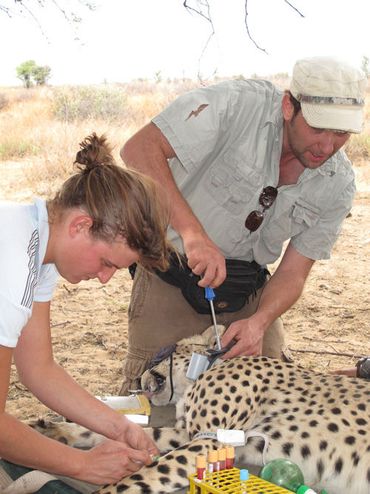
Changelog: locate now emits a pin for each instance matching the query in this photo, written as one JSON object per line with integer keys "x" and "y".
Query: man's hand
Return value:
{"x": 248, "y": 336}
{"x": 205, "y": 259}
{"x": 350, "y": 371}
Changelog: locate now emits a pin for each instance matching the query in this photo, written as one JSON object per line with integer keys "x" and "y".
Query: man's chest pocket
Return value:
{"x": 234, "y": 185}
{"x": 304, "y": 215}
{"x": 288, "y": 220}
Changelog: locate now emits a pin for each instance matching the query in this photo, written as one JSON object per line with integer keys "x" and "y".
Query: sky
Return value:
{"x": 124, "y": 40}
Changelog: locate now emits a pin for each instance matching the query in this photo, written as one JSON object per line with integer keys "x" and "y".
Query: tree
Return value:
{"x": 30, "y": 73}
{"x": 203, "y": 9}
{"x": 25, "y": 71}
{"x": 200, "y": 7}
{"x": 41, "y": 74}
{"x": 28, "y": 8}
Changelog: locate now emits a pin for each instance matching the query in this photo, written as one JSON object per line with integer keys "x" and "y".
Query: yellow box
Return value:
{"x": 228, "y": 481}
{"x": 133, "y": 404}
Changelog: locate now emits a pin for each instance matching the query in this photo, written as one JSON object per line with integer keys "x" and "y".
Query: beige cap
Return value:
{"x": 221, "y": 454}
{"x": 212, "y": 456}
{"x": 201, "y": 461}
{"x": 230, "y": 451}
{"x": 331, "y": 93}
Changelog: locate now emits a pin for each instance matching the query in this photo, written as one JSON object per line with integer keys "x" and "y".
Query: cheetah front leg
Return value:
{"x": 167, "y": 475}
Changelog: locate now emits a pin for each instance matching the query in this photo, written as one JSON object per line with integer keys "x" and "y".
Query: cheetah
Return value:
{"x": 318, "y": 421}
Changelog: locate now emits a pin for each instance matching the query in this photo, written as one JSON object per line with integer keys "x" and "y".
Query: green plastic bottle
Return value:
{"x": 283, "y": 473}
{"x": 304, "y": 489}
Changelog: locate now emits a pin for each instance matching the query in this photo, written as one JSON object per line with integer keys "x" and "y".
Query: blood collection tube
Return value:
{"x": 213, "y": 461}
{"x": 230, "y": 456}
{"x": 222, "y": 458}
{"x": 201, "y": 467}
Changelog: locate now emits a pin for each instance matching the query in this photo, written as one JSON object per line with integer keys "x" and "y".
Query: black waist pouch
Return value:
{"x": 243, "y": 279}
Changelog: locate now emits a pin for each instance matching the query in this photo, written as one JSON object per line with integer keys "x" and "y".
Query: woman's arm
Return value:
{"x": 19, "y": 443}
{"x": 129, "y": 448}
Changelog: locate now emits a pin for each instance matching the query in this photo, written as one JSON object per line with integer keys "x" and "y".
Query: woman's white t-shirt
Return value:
{"x": 24, "y": 278}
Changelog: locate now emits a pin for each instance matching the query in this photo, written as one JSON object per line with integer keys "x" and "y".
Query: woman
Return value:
{"x": 104, "y": 218}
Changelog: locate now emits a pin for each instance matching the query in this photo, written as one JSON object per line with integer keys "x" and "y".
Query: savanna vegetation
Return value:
{"x": 42, "y": 125}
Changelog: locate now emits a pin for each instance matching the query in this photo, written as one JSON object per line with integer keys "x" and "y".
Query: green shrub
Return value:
{"x": 13, "y": 149}
{"x": 89, "y": 102}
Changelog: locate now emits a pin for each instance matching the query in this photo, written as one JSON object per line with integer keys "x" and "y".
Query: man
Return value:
{"x": 245, "y": 167}
{"x": 361, "y": 369}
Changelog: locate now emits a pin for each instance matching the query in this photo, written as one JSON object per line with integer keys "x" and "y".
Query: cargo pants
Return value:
{"x": 160, "y": 316}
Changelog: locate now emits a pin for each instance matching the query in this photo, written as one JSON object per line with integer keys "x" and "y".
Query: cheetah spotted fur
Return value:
{"x": 318, "y": 421}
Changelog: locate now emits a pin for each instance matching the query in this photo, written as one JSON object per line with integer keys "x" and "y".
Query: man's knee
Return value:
{"x": 134, "y": 365}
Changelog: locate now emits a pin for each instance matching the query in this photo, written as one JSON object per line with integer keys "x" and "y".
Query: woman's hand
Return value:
{"x": 110, "y": 461}
{"x": 136, "y": 438}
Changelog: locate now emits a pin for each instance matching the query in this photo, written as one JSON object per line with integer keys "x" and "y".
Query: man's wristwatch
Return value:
{"x": 363, "y": 368}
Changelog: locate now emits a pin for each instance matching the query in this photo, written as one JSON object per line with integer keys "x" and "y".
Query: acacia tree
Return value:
{"x": 24, "y": 72}
{"x": 30, "y": 73}
{"x": 41, "y": 74}
{"x": 29, "y": 8}
{"x": 203, "y": 9}
{"x": 11, "y": 7}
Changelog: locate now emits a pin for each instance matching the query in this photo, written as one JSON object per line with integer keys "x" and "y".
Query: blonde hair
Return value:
{"x": 121, "y": 202}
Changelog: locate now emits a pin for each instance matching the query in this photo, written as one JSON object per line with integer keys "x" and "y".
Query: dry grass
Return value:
{"x": 32, "y": 131}
{"x": 358, "y": 147}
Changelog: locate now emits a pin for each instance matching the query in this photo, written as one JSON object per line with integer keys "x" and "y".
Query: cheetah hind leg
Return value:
{"x": 168, "y": 474}
{"x": 67, "y": 433}
{"x": 167, "y": 438}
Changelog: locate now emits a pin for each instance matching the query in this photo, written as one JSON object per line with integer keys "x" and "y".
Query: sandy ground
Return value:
{"x": 328, "y": 328}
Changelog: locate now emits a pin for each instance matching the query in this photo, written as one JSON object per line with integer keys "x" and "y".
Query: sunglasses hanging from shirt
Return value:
{"x": 266, "y": 200}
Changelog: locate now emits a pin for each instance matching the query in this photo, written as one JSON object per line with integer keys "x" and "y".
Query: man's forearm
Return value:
{"x": 279, "y": 294}
{"x": 148, "y": 152}
{"x": 284, "y": 287}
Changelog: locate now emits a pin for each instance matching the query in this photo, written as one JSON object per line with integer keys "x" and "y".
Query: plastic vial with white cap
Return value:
{"x": 244, "y": 476}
